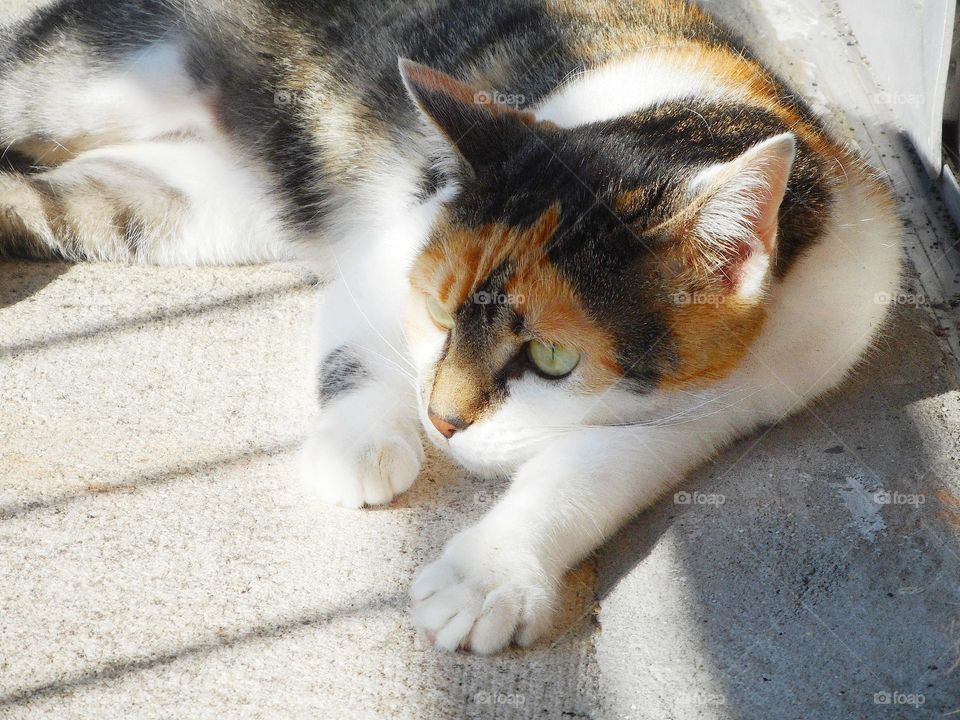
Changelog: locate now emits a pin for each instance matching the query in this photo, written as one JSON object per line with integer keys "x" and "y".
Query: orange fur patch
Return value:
{"x": 461, "y": 259}
{"x": 711, "y": 338}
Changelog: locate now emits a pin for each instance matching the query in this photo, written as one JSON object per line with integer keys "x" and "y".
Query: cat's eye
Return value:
{"x": 557, "y": 362}
{"x": 440, "y": 316}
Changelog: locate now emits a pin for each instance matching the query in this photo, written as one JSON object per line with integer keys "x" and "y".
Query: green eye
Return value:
{"x": 440, "y": 316}
{"x": 553, "y": 361}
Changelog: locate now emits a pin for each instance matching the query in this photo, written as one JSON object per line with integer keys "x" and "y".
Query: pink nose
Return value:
{"x": 447, "y": 428}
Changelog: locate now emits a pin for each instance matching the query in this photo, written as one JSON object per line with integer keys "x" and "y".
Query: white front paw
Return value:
{"x": 357, "y": 471}
{"x": 482, "y": 594}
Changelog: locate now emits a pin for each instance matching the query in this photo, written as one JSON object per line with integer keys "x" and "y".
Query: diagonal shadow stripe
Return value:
{"x": 20, "y": 280}
{"x": 140, "y": 482}
{"x": 138, "y": 321}
{"x": 120, "y": 667}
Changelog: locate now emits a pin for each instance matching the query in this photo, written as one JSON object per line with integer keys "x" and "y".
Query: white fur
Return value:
{"x": 575, "y": 482}
{"x": 224, "y": 211}
{"x": 619, "y": 88}
{"x": 737, "y": 190}
{"x": 86, "y": 103}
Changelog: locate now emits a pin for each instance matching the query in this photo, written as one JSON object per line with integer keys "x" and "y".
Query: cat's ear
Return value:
{"x": 729, "y": 228}
{"x": 471, "y": 120}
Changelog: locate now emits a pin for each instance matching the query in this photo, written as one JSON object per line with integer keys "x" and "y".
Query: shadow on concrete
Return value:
{"x": 121, "y": 667}
{"x": 806, "y": 594}
{"x": 163, "y": 315}
{"x": 145, "y": 480}
{"x": 19, "y": 279}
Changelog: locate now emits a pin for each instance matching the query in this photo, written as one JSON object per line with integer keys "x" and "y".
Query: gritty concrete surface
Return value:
{"x": 157, "y": 559}
{"x": 784, "y": 589}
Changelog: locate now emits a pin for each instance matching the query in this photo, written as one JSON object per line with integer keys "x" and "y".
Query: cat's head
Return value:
{"x": 579, "y": 276}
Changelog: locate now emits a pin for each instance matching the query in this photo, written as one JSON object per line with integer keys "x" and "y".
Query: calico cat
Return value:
{"x": 583, "y": 244}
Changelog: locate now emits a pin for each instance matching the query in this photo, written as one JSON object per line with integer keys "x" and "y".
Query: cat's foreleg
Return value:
{"x": 365, "y": 447}
{"x": 497, "y": 581}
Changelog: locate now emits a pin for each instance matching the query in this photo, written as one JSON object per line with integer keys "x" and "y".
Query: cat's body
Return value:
{"x": 620, "y": 246}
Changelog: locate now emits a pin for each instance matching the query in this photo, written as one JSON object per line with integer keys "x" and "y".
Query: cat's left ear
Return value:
{"x": 729, "y": 228}
{"x": 470, "y": 119}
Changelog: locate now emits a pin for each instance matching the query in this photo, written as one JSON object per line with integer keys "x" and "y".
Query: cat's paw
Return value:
{"x": 354, "y": 472}
{"x": 482, "y": 595}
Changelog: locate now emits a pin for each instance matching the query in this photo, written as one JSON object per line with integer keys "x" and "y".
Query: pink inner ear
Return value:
{"x": 422, "y": 79}
{"x": 728, "y": 232}
{"x": 737, "y": 217}
{"x": 732, "y": 272}
{"x": 775, "y": 168}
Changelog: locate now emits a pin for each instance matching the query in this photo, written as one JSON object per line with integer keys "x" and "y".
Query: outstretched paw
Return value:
{"x": 481, "y": 596}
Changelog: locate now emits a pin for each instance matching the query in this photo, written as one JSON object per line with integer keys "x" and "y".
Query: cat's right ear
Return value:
{"x": 470, "y": 119}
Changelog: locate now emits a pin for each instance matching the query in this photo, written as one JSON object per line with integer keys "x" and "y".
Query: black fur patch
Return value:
{"x": 12, "y": 161}
{"x": 340, "y": 372}
{"x": 431, "y": 181}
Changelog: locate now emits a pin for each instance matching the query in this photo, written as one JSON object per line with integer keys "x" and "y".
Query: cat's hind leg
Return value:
{"x": 130, "y": 162}
{"x": 174, "y": 201}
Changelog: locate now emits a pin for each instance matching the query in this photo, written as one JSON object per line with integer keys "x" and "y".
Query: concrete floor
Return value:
{"x": 157, "y": 559}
